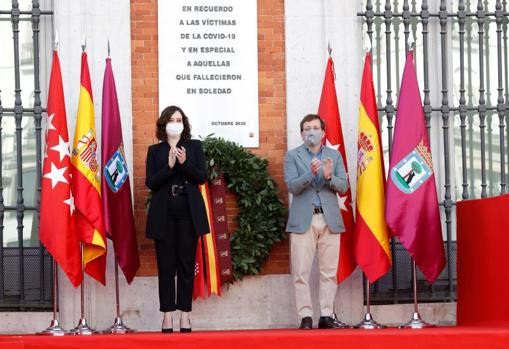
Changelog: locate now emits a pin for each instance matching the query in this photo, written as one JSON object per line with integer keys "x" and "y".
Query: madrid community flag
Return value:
{"x": 329, "y": 112}
{"x": 207, "y": 266}
{"x": 86, "y": 184}
{"x": 412, "y": 212}
{"x": 116, "y": 188}
{"x": 372, "y": 249}
{"x": 56, "y": 228}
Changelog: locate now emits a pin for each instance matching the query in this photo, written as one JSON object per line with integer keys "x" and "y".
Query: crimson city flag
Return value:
{"x": 86, "y": 184}
{"x": 116, "y": 188}
{"x": 329, "y": 112}
{"x": 56, "y": 228}
{"x": 411, "y": 211}
{"x": 372, "y": 248}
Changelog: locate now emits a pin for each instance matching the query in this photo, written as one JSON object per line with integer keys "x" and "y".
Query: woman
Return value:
{"x": 176, "y": 216}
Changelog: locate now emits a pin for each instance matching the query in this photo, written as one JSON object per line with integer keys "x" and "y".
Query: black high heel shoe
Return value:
{"x": 167, "y": 330}
{"x": 185, "y": 329}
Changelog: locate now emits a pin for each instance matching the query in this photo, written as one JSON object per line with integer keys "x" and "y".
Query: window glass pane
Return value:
{"x": 9, "y": 160}
{"x": 30, "y": 229}
{"x": 472, "y": 72}
{"x": 6, "y": 60}
{"x": 26, "y": 59}
{"x": 10, "y": 231}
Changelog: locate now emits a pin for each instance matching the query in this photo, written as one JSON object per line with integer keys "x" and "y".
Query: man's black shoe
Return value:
{"x": 330, "y": 322}
{"x": 306, "y": 323}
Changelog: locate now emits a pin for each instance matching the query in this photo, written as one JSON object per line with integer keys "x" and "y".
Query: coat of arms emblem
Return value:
{"x": 413, "y": 170}
{"x": 115, "y": 170}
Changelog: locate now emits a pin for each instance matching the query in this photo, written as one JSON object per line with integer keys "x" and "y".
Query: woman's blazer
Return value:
{"x": 158, "y": 175}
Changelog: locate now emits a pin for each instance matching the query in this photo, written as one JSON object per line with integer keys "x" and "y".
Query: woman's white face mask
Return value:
{"x": 174, "y": 128}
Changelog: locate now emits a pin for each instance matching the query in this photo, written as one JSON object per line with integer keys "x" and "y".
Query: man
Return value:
{"x": 314, "y": 174}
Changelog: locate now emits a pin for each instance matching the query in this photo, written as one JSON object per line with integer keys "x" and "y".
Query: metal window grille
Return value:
{"x": 25, "y": 266}
{"x": 462, "y": 63}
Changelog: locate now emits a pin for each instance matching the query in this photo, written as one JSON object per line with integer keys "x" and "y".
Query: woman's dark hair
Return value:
{"x": 166, "y": 114}
{"x": 311, "y": 117}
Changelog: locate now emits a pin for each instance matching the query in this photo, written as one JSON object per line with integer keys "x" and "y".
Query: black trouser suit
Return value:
{"x": 175, "y": 219}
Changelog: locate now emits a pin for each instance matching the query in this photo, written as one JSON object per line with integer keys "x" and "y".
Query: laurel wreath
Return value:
{"x": 261, "y": 214}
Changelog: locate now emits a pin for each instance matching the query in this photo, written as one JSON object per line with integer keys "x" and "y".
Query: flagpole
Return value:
{"x": 416, "y": 321}
{"x": 54, "y": 328}
{"x": 368, "y": 323}
{"x": 82, "y": 328}
{"x": 118, "y": 325}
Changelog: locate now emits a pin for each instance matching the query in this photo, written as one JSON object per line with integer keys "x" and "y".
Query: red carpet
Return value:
{"x": 442, "y": 337}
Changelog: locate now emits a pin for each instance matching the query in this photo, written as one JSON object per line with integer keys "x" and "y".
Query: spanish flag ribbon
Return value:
{"x": 207, "y": 266}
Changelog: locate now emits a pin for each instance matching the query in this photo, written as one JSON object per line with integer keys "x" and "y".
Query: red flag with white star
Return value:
{"x": 56, "y": 228}
{"x": 329, "y": 112}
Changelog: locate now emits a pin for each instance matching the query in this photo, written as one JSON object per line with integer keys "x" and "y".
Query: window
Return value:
{"x": 464, "y": 88}
{"x": 25, "y": 266}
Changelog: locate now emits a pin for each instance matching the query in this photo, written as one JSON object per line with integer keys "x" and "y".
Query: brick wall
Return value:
{"x": 272, "y": 107}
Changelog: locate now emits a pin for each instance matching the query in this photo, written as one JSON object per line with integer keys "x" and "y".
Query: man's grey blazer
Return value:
{"x": 301, "y": 185}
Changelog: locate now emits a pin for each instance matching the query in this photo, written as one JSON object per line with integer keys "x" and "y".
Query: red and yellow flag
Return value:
{"x": 86, "y": 182}
{"x": 209, "y": 266}
{"x": 372, "y": 249}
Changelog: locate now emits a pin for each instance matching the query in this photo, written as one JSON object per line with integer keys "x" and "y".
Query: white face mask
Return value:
{"x": 174, "y": 128}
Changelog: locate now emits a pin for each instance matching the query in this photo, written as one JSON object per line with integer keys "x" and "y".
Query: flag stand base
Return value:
{"x": 118, "y": 327}
{"x": 54, "y": 329}
{"x": 83, "y": 329}
{"x": 368, "y": 323}
{"x": 416, "y": 322}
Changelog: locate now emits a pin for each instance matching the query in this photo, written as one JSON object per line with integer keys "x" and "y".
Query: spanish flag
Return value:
{"x": 372, "y": 249}
{"x": 86, "y": 182}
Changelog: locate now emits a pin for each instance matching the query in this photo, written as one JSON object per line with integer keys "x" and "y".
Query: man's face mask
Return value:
{"x": 312, "y": 137}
